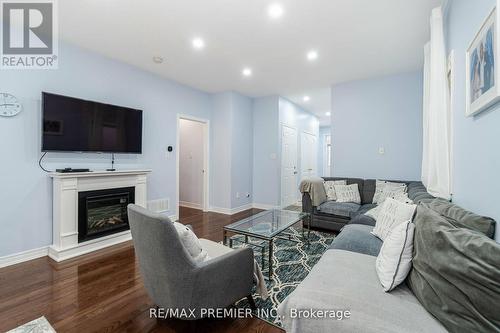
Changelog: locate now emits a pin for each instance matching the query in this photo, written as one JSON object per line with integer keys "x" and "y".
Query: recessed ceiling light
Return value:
{"x": 247, "y": 71}
{"x": 328, "y": 114}
{"x": 306, "y": 98}
{"x": 312, "y": 55}
{"x": 198, "y": 43}
{"x": 275, "y": 10}
{"x": 157, "y": 59}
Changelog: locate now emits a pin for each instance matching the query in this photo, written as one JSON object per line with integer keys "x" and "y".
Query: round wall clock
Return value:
{"x": 9, "y": 105}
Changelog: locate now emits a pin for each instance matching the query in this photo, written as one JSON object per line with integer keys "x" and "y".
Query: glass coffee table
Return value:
{"x": 267, "y": 226}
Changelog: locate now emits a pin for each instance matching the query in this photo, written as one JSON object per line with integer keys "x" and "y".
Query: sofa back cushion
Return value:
{"x": 462, "y": 218}
{"x": 416, "y": 190}
{"x": 456, "y": 273}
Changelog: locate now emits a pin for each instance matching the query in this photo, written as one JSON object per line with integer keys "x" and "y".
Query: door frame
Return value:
{"x": 206, "y": 160}
{"x": 281, "y": 161}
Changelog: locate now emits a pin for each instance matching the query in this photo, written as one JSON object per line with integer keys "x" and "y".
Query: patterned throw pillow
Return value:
{"x": 391, "y": 214}
{"x": 373, "y": 213}
{"x": 330, "y": 189}
{"x": 347, "y": 193}
{"x": 384, "y": 190}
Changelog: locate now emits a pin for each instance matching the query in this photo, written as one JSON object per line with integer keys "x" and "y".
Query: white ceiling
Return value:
{"x": 319, "y": 103}
{"x": 354, "y": 39}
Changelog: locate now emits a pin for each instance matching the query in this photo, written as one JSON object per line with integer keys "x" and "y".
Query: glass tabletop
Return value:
{"x": 268, "y": 223}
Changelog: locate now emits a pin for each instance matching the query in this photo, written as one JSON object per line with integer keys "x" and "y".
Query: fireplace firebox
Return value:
{"x": 103, "y": 212}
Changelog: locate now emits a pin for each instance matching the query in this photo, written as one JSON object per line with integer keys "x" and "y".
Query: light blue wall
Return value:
{"x": 323, "y": 132}
{"x": 380, "y": 112}
{"x": 220, "y": 152}
{"x": 476, "y": 153}
{"x": 242, "y": 150}
{"x": 266, "y": 146}
{"x": 26, "y": 195}
{"x": 232, "y": 150}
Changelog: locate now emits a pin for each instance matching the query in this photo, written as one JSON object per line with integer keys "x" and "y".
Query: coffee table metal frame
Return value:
{"x": 269, "y": 239}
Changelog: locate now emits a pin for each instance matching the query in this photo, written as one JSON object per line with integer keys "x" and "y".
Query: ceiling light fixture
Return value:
{"x": 312, "y": 55}
{"x": 198, "y": 43}
{"x": 306, "y": 98}
{"x": 157, "y": 59}
{"x": 247, "y": 72}
{"x": 275, "y": 10}
{"x": 328, "y": 114}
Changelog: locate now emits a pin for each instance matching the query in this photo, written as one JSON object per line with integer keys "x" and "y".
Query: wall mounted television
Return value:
{"x": 76, "y": 125}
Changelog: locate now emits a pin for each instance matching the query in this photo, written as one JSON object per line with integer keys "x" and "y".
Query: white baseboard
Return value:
{"x": 231, "y": 211}
{"x": 89, "y": 246}
{"x": 20, "y": 257}
{"x": 190, "y": 205}
{"x": 264, "y": 206}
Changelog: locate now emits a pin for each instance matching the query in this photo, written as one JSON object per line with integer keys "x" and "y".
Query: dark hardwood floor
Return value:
{"x": 103, "y": 291}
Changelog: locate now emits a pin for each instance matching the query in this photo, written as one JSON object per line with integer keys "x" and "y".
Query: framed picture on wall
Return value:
{"x": 482, "y": 77}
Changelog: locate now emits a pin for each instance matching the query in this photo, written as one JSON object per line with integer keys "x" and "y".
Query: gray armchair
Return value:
{"x": 174, "y": 281}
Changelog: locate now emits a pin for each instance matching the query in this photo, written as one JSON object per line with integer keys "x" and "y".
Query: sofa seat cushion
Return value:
{"x": 357, "y": 238}
{"x": 363, "y": 219}
{"x": 338, "y": 208}
{"x": 363, "y": 209}
{"x": 343, "y": 280}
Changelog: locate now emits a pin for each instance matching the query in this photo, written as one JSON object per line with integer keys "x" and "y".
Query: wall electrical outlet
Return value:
{"x": 237, "y": 195}
{"x": 381, "y": 151}
{"x": 248, "y": 195}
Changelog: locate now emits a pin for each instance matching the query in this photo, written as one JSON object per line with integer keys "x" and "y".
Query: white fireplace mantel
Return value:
{"x": 65, "y": 208}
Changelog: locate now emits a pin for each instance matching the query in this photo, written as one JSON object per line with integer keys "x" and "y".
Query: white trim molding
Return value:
{"x": 190, "y": 205}
{"x": 265, "y": 206}
{"x": 20, "y": 257}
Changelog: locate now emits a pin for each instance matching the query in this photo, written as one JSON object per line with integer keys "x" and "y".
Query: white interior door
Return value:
{"x": 289, "y": 190}
{"x": 308, "y": 155}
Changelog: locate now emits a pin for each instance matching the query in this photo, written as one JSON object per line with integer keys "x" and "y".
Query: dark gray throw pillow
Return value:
{"x": 463, "y": 218}
{"x": 456, "y": 274}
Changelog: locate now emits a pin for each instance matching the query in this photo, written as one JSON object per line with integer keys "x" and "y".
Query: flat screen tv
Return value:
{"x": 72, "y": 124}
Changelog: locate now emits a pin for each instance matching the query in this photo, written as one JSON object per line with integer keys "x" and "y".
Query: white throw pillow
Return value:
{"x": 384, "y": 190}
{"x": 330, "y": 189}
{"x": 191, "y": 243}
{"x": 392, "y": 213}
{"x": 347, "y": 193}
{"x": 373, "y": 213}
{"x": 395, "y": 258}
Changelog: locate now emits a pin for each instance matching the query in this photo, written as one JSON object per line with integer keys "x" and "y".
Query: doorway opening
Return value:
{"x": 192, "y": 166}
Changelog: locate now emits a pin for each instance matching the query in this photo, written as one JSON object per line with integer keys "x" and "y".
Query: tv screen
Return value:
{"x": 72, "y": 124}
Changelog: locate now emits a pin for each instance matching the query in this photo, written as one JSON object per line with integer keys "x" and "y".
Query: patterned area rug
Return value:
{"x": 292, "y": 261}
{"x": 40, "y": 325}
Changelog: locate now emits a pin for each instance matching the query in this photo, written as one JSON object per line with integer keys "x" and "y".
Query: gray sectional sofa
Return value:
{"x": 345, "y": 277}
{"x": 334, "y": 216}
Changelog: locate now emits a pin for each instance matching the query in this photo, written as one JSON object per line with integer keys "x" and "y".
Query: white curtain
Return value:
{"x": 436, "y": 114}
